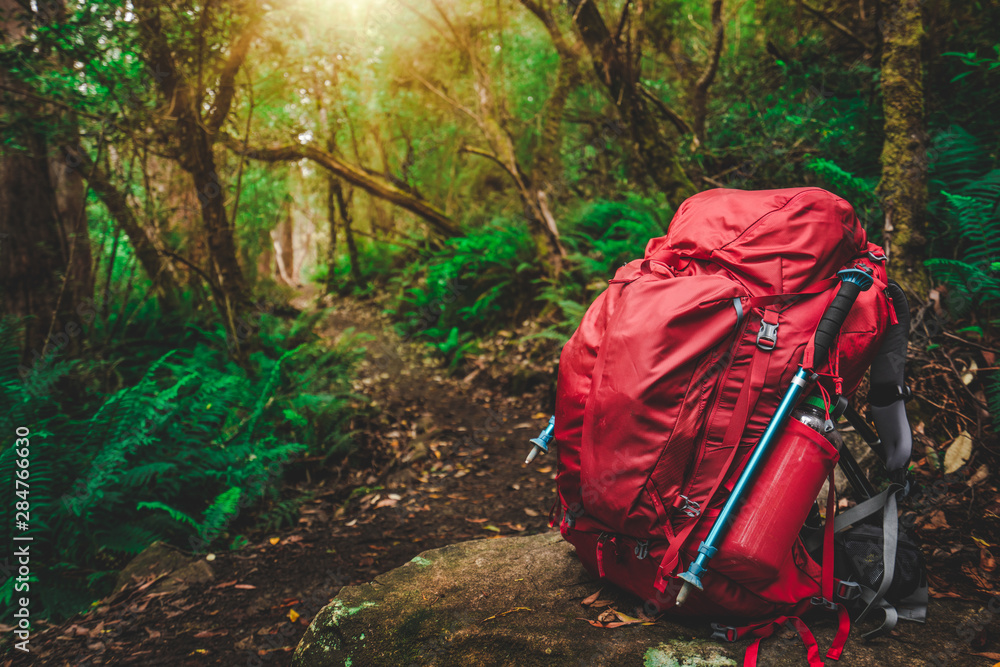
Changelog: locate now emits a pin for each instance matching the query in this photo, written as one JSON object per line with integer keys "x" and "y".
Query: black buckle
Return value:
{"x": 882, "y": 395}
{"x": 641, "y": 549}
{"x": 767, "y": 337}
{"x": 820, "y": 601}
{"x": 848, "y": 590}
{"x": 877, "y": 257}
{"x": 726, "y": 633}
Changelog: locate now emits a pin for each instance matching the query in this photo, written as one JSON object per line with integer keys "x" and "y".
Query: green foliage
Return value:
{"x": 975, "y": 278}
{"x": 965, "y": 204}
{"x": 860, "y": 192}
{"x": 473, "y": 285}
{"x": 975, "y": 62}
{"x": 610, "y": 233}
{"x": 178, "y": 453}
{"x": 606, "y": 235}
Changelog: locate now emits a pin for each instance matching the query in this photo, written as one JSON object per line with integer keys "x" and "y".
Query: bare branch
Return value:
{"x": 836, "y": 25}
{"x": 370, "y": 183}
{"x": 666, "y": 111}
{"x": 227, "y": 80}
{"x": 699, "y": 99}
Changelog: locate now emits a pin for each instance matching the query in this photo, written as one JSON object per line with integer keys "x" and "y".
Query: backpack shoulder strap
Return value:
{"x": 889, "y": 391}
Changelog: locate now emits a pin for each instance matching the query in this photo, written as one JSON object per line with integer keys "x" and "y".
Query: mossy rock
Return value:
{"x": 516, "y": 601}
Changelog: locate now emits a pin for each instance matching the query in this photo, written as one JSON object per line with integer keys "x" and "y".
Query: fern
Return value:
{"x": 178, "y": 516}
{"x": 993, "y": 399}
{"x": 219, "y": 514}
{"x": 176, "y": 452}
{"x": 860, "y": 192}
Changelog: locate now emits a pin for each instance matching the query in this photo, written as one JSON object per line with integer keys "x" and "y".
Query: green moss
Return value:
{"x": 420, "y": 560}
{"x": 338, "y": 610}
{"x": 686, "y": 654}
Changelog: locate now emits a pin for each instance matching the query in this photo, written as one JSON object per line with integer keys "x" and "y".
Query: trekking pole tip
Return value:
{"x": 683, "y": 594}
{"x": 532, "y": 454}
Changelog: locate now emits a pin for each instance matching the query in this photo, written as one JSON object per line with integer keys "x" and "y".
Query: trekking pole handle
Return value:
{"x": 852, "y": 283}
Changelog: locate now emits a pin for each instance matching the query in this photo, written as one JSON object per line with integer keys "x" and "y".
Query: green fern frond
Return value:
{"x": 176, "y": 515}
{"x": 220, "y": 513}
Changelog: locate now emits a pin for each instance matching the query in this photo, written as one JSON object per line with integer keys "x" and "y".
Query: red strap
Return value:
{"x": 826, "y": 582}
{"x": 815, "y": 288}
{"x": 600, "y": 555}
{"x": 812, "y": 648}
{"x": 843, "y": 630}
{"x": 807, "y": 637}
{"x": 557, "y": 504}
{"x": 730, "y": 440}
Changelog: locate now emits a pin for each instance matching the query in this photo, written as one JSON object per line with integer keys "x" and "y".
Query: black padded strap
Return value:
{"x": 888, "y": 386}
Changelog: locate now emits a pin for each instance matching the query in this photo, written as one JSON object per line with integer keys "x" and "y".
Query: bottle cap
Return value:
{"x": 815, "y": 401}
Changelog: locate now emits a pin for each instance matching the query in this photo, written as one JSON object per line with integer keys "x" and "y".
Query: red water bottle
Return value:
{"x": 768, "y": 522}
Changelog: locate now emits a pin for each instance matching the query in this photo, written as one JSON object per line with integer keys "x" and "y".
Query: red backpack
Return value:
{"x": 671, "y": 378}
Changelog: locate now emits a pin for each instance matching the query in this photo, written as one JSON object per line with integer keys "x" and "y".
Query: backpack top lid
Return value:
{"x": 774, "y": 241}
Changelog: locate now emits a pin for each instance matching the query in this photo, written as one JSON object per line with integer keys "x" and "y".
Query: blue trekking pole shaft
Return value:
{"x": 853, "y": 282}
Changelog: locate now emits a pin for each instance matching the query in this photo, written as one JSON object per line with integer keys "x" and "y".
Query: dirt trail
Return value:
{"x": 448, "y": 454}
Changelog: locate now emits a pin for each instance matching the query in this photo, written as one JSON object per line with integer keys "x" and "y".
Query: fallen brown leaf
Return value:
{"x": 205, "y": 634}
{"x": 607, "y": 616}
{"x": 625, "y": 618}
{"x": 591, "y": 599}
{"x": 987, "y": 563}
{"x": 246, "y": 587}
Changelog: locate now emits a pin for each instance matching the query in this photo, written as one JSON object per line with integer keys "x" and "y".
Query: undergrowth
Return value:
{"x": 186, "y": 448}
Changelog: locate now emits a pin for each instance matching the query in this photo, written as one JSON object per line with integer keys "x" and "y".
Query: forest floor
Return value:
{"x": 444, "y": 464}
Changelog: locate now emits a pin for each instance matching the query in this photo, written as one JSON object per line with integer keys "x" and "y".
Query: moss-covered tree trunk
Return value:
{"x": 903, "y": 188}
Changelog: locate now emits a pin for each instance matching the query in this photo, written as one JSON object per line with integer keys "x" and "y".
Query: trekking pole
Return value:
{"x": 853, "y": 282}
{"x": 541, "y": 443}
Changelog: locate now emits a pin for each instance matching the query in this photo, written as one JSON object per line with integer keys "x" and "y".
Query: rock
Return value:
{"x": 516, "y": 601}
{"x": 162, "y": 559}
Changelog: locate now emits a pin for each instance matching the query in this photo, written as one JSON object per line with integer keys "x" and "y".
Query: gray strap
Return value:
{"x": 890, "y": 540}
{"x": 848, "y": 518}
{"x": 914, "y": 606}
{"x": 866, "y": 509}
{"x": 891, "y": 615}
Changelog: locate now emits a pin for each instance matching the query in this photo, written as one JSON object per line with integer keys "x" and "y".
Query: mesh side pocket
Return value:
{"x": 862, "y": 547}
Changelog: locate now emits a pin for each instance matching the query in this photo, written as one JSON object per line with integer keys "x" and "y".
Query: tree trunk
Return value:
{"x": 32, "y": 264}
{"x": 616, "y": 65}
{"x": 903, "y": 188}
{"x": 45, "y": 258}
{"x": 331, "y": 218}
{"x": 218, "y": 232}
{"x": 157, "y": 269}
{"x": 286, "y": 238}
{"x": 699, "y": 97}
{"x": 265, "y": 260}
{"x": 194, "y": 131}
{"x": 373, "y": 184}
{"x": 344, "y": 208}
